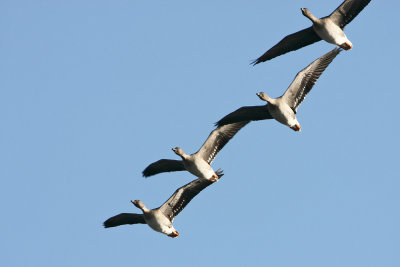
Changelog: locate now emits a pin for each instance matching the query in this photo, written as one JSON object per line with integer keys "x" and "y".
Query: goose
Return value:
{"x": 328, "y": 28}
{"x": 284, "y": 108}
{"x": 198, "y": 163}
{"x": 161, "y": 219}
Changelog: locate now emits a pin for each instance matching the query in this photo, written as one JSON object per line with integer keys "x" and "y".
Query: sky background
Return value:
{"x": 91, "y": 92}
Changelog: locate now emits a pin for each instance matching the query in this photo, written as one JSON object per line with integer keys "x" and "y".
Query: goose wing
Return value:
{"x": 347, "y": 11}
{"x": 124, "y": 218}
{"x": 291, "y": 42}
{"x": 182, "y": 196}
{"x": 163, "y": 165}
{"x": 306, "y": 78}
{"x": 218, "y": 139}
{"x": 249, "y": 113}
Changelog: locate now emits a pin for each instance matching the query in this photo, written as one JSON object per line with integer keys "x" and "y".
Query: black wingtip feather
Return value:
{"x": 223, "y": 122}
{"x": 256, "y": 61}
{"x": 218, "y": 124}
{"x": 107, "y": 224}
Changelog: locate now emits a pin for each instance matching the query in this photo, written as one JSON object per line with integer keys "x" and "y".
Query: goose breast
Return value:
{"x": 282, "y": 113}
{"x": 199, "y": 167}
{"x": 330, "y": 32}
{"x": 159, "y": 222}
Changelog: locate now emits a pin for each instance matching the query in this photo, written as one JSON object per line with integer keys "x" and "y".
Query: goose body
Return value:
{"x": 199, "y": 163}
{"x": 198, "y": 167}
{"x": 329, "y": 29}
{"x": 161, "y": 219}
{"x": 284, "y": 108}
{"x": 281, "y": 112}
{"x": 160, "y": 223}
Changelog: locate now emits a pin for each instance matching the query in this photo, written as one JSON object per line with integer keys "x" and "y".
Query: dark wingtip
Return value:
{"x": 145, "y": 173}
{"x": 221, "y": 123}
{"x": 255, "y": 62}
{"x": 106, "y": 224}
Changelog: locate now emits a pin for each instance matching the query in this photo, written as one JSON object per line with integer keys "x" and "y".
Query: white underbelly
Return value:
{"x": 200, "y": 169}
{"x": 332, "y": 34}
{"x": 162, "y": 225}
{"x": 283, "y": 115}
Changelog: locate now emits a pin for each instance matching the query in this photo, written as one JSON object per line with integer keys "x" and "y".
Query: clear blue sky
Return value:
{"x": 94, "y": 91}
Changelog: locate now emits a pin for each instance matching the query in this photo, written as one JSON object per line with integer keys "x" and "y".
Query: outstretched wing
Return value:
{"x": 182, "y": 196}
{"x": 124, "y": 218}
{"x": 291, "y": 42}
{"x": 306, "y": 78}
{"x": 249, "y": 113}
{"x": 347, "y": 11}
{"x": 218, "y": 139}
{"x": 163, "y": 165}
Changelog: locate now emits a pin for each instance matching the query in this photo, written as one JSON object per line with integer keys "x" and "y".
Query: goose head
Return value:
{"x": 305, "y": 11}
{"x": 178, "y": 151}
{"x": 308, "y": 14}
{"x": 263, "y": 96}
{"x": 139, "y": 204}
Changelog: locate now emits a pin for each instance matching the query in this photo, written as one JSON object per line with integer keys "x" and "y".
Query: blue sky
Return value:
{"x": 94, "y": 91}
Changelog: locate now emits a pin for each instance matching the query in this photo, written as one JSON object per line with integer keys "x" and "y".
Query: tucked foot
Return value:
{"x": 296, "y": 127}
{"x": 346, "y": 46}
{"x": 218, "y": 174}
{"x": 174, "y": 234}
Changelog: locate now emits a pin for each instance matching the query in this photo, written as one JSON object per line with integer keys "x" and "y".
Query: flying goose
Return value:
{"x": 328, "y": 28}
{"x": 284, "y": 108}
{"x": 198, "y": 163}
{"x": 161, "y": 219}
